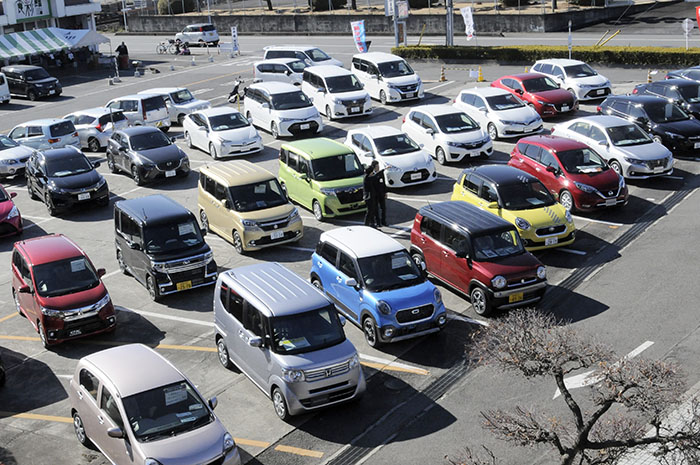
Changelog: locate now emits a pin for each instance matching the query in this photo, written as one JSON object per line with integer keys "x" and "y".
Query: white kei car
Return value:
{"x": 222, "y": 132}
{"x": 403, "y": 161}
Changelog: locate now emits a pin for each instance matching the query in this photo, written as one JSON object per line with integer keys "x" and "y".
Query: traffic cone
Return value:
{"x": 649, "y": 76}
{"x": 172, "y": 67}
{"x": 193, "y": 63}
{"x": 137, "y": 74}
{"x": 481, "y": 76}
{"x": 442, "y": 74}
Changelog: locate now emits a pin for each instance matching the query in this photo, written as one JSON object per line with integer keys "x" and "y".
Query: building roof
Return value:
{"x": 328, "y": 70}
{"x": 238, "y": 172}
{"x": 155, "y": 209}
{"x": 378, "y": 57}
{"x": 361, "y": 241}
{"x": 500, "y": 174}
{"x": 275, "y": 87}
{"x": 50, "y": 248}
{"x": 467, "y": 217}
{"x": 319, "y": 147}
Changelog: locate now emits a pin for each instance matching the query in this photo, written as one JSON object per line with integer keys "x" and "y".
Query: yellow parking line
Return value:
{"x": 298, "y": 451}
{"x": 195, "y": 348}
{"x": 20, "y": 338}
{"x": 36, "y": 416}
{"x": 383, "y": 367}
{"x": 250, "y": 442}
{"x": 8, "y": 317}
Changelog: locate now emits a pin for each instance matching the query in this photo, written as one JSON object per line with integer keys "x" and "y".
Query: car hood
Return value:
{"x": 193, "y": 105}
{"x": 597, "y": 80}
{"x": 604, "y": 181}
{"x": 468, "y": 137}
{"x": 512, "y": 268}
{"x": 408, "y": 161}
{"x": 556, "y": 96}
{"x": 352, "y": 95}
{"x": 299, "y": 113}
{"x": 15, "y": 153}
{"x": 76, "y": 300}
{"x": 538, "y": 217}
{"x": 268, "y": 214}
{"x": 161, "y": 154}
{"x": 686, "y": 128}
{"x": 5, "y": 208}
{"x": 237, "y": 135}
{"x": 525, "y": 114}
{"x": 48, "y": 80}
{"x": 77, "y": 181}
{"x": 357, "y": 181}
{"x": 650, "y": 151}
{"x": 332, "y": 355}
{"x": 181, "y": 253}
{"x": 402, "y": 80}
{"x": 406, "y": 297}
{"x": 201, "y": 445}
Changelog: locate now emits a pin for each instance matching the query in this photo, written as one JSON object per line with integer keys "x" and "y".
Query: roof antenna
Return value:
{"x": 145, "y": 217}
{"x": 429, "y": 204}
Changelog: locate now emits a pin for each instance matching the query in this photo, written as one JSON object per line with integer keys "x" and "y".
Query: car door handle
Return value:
{"x": 242, "y": 335}
{"x": 100, "y": 419}
{"x": 80, "y": 395}
{"x": 339, "y": 279}
{"x": 319, "y": 264}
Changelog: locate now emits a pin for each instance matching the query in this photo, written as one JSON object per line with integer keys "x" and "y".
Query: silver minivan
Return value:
{"x": 137, "y": 408}
{"x": 287, "y": 337}
{"x": 143, "y": 110}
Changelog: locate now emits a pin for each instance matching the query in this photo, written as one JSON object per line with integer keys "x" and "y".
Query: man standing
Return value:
{"x": 370, "y": 188}
{"x": 380, "y": 189}
{"x": 123, "y": 56}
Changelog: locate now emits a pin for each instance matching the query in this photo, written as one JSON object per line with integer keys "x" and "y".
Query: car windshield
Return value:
{"x": 7, "y": 143}
{"x": 691, "y": 94}
{"x": 3, "y": 196}
{"x": 579, "y": 71}
{"x": 582, "y": 161}
{"x": 316, "y": 54}
{"x": 182, "y": 96}
{"x": 111, "y": 117}
{"x": 170, "y": 237}
{"x": 257, "y": 196}
{"x": 525, "y": 195}
{"x": 662, "y": 112}
{"x": 227, "y": 122}
{"x": 504, "y": 102}
{"x": 165, "y": 411}
{"x": 347, "y": 83}
{"x": 290, "y": 101}
{"x": 297, "y": 66}
{"x": 149, "y": 140}
{"x": 307, "y": 331}
{"x": 629, "y": 134}
{"x": 397, "y": 144}
{"x": 392, "y": 69}
{"x": 345, "y": 165}
{"x": 389, "y": 271}
{"x": 494, "y": 246}
{"x": 539, "y": 84}
{"x": 68, "y": 166}
{"x": 61, "y": 129}
{"x": 37, "y": 74}
{"x": 65, "y": 276}
{"x": 456, "y": 122}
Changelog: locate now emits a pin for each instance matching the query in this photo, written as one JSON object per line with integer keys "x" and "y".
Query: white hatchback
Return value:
{"x": 221, "y": 131}
{"x": 448, "y": 134}
{"x": 499, "y": 111}
{"x": 403, "y": 161}
{"x": 179, "y": 101}
{"x": 576, "y": 77}
{"x": 282, "y": 109}
{"x": 336, "y": 92}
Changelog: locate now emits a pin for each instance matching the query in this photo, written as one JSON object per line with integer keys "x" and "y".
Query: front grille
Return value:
{"x": 185, "y": 264}
{"x": 296, "y": 127}
{"x": 327, "y": 372}
{"x": 570, "y": 106}
{"x": 218, "y": 461}
{"x": 353, "y": 103}
{"x": 594, "y": 93}
{"x": 268, "y": 239}
{"x": 7, "y": 228}
{"x": 327, "y": 388}
{"x": 521, "y": 281}
{"x": 414, "y": 314}
{"x": 275, "y": 224}
{"x": 406, "y": 177}
{"x": 189, "y": 275}
{"x": 168, "y": 165}
{"x": 656, "y": 163}
{"x": 352, "y": 195}
{"x": 84, "y": 323}
{"x": 328, "y": 398}
{"x": 473, "y": 145}
{"x": 551, "y": 230}
{"x": 408, "y": 88}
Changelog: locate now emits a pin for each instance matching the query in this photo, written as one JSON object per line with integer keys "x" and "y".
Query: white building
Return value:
{"x": 26, "y": 15}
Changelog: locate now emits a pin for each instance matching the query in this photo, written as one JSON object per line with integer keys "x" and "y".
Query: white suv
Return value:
{"x": 387, "y": 77}
{"x": 312, "y": 56}
{"x": 199, "y": 34}
{"x": 336, "y": 92}
{"x": 576, "y": 77}
{"x": 282, "y": 109}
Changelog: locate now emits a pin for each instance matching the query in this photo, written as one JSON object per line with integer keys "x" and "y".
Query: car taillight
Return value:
{"x": 634, "y": 91}
{"x": 404, "y": 119}
{"x": 99, "y": 127}
{"x": 54, "y": 141}
{"x": 75, "y": 134}
{"x": 201, "y": 29}
{"x": 597, "y": 108}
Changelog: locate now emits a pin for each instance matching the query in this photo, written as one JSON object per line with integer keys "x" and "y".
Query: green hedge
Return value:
{"x": 638, "y": 56}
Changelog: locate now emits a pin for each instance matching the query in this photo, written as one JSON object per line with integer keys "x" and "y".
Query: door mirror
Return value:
{"x": 24, "y": 289}
{"x": 375, "y": 76}
{"x": 288, "y": 72}
{"x": 266, "y": 106}
{"x": 519, "y": 91}
{"x": 227, "y": 204}
{"x": 303, "y": 176}
{"x": 483, "y": 110}
{"x": 213, "y": 402}
{"x": 604, "y": 143}
{"x": 368, "y": 155}
{"x": 13, "y": 195}
{"x": 342, "y": 320}
{"x": 201, "y": 128}
{"x": 430, "y": 131}
{"x": 553, "y": 170}
{"x": 492, "y": 205}
{"x": 115, "y": 433}
{"x": 134, "y": 246}
{"x": 642, "y": 120}
{"x": 255, "y": 341}
{"x": 321, "y": 90}
{"x": 96, "y": 164}
{"x": 101, "y": 272}
{"x": 351, "y": 282}
{"x": 121, "y": 148}
{"x": 461, "y": 254}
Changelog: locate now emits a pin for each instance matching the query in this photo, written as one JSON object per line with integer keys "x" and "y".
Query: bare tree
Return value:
{"x": 629, "y": 398}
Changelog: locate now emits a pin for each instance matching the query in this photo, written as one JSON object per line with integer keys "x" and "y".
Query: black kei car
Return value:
{"x": 665, "y": 122}
{"x": 65, "y": 178}
{"x": 31, "y": 81}
{"x": 682, "y": 92}
{"x": 159, "y": 242}
{"x": 146, "y": 154}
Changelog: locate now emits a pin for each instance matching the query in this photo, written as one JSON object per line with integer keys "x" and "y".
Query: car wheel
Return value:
{"x": 658, "y": 140}
{"x": 31, "y": 95}
{"x": 152, "y": 288}
{"x": 440, "y": 155}
{"x": 50, "y": 207}
{"x": 15, "y": 297}
{"x": 180, "y": 120}
{"x": 369, "y": 328}
{"x": 204, "y": 220}
{"x": 30, "y": 190}
{"x": 566, "y": 199}
{"x": 111, "y": 165}
{"x": 318, "y": 212}
{"x": 80, "y": 433}
{"x": 237, "y": 242}
{"x": 329, "y": 113}
{"x": 223, "y": 353}
{"x": 212, "y": 152}
{"x": 280, "y": 404}
{"x": 493, "y": 132}
{"x": 136, "y": 174}
{"x": 42, "y": 334}
{"x": 382, "y": 97}
{"x": 479, "y": 301}
{"x": 188, "y": 140}
{"x": 419, "y": 260}
{"x": 93, "y": 145}
{"x": 615, "y": 165}
{"x": 122, "y": 264}
{"x": 317, "y": 283}
{"x": 274, "y": 130}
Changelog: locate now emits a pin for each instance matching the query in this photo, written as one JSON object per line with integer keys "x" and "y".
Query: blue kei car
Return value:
{"x": 374, "y": 282}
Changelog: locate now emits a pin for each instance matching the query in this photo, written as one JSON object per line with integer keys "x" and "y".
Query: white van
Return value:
{"x": 279, "y": 69}
{"x": 336, "y": 92}
{"x": 143, "y": 110}
{"x": 282, "y": 109}
{"x": 312, "y": 56}
{"x": 4, "y": 89}
{"x": 179, "y": 101}
{"x": 387, "y": 77}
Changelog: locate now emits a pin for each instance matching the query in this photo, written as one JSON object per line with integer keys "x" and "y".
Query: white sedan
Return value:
{"x": 499, "y": 111}
{"x": 403, "y": 161}
{"x": 624, "y": 145}
{"x": 222, "y": 132}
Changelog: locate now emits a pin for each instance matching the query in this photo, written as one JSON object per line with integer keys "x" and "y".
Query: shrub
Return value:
{"x": 176, "y": 6}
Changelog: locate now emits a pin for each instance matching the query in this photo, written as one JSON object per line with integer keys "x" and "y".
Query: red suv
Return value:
{"x": 56, "y": 287}
{"x": 477, "y": 253}
{"x": 580, "y": 177}
{"x": 540, "y": 92}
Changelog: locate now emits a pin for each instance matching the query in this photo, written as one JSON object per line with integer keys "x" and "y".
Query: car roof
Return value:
{"x": 361, "y": 241}
{"x": 603, "y": 120}
{"x": 49, "y": 248}
{"x": 319, "y": 147}
{"x": 238, "y": 172}
{"x": 161, "y": 90}
{"x": 636, "y": 98}
{"x": 275, "y": 87}
{"x": 136, "y": 130}
{"x": 500, "y": 174}
{"x": 555, "y": 143}
{"x": 295, "y": 48}
{"x": 437, "y": 109}
{"x": 276, "y": 290}
{"x": 97, "y": 111}
{"x": 22, "y": 67}
{"x": 375, "y": 131}
{"x": 674, "y": 82}
{"x": 62, "y": 152}
{"x": 282, "y": 61}
{"x": 525, "y": 76}
{"x": 486, "y": 91}
{"x": 378, "y": 57}
{"x": 466, "y": 216}
{"x": 135, "y": 96}
{"x": 328, "y": 70}
{"x": 215, "y": 111}
{"x": 42, "y": 122}
{"x": 134, "y": 368}
{"x": 154, "y": 209}
{"x": 560, "y": 61}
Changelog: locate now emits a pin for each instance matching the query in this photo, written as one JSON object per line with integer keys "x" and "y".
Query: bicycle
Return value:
{"x": 166, "y": 47}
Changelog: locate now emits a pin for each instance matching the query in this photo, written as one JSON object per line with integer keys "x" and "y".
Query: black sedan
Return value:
{"x": 684, "y": 93}
{"x": 146, "y": 154}
{"x": 65, "y": 178}
{"x": 691, "y": 74}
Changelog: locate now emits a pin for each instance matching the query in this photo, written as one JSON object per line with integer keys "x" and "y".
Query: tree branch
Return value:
{"x": 573, "y": 406}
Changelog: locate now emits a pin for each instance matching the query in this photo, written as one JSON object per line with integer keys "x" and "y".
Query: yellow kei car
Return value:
{"x": 521, "y": 199}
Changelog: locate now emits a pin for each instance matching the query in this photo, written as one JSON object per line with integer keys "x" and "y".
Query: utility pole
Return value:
{"x": 208, "y": 11}
{"x": 396, "y": 23}
{"x": 449, "y": 39}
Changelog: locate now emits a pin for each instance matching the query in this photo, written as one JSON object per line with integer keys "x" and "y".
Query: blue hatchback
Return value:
{"x": 374, "y": 282}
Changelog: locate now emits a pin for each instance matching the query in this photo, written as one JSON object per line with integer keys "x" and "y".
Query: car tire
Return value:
{"x": 188, "y": 140}
{"x": 237, "y": 242}
{"x": 152, "y": 288}
{"x": 419, "y": 260}
{"x": 111, "y": 164}
{"x": 274, "y": 130}
{"x": 480, "y": 301}
{"x": 204, "y": 219}
{"x": 136, "y": 175}
{"x": 31, "y": 95}
{"x": 329, "y": 113}
{"x": 50, "y": 207}
{"x": 80, "y": 433}
{"x": 280, "y": 404}
{"x": 93, "y": 144}
{"x": 369, "y": 329}
{"x": 440, "y": 156}
{"x": 121, "y": 263}
{"x": 316, "y": 282}
{"x": 42, "y": 334}
{"x": 212, "y": 152}
{"x": 180, "y": 120}
{"x": 222, "y": 352}
{"x": 17, "y": 304}
{"x": 493, "y": 132}
{"x": 615, "y": 165}
{"x": 567, "y": 200}
{"x": 318, "y": 211}
{"x": 382, "y": 97}
{"x": 30, "y": 190}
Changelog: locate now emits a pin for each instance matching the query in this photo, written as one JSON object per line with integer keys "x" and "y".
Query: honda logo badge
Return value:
{"x": 329, "y": 373}
{"x": 415, "y": 311}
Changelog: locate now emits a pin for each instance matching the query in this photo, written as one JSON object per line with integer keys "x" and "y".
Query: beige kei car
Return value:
{"x": 246, "y": 205}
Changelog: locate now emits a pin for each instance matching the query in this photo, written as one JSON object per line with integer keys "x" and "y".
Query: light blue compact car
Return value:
{"x": 374, "y": 282}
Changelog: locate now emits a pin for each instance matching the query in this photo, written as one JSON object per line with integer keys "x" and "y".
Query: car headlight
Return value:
{"x": 294, "y": 216}
{"x": 293, "y": 376}
{"x": 145, "y": 162}
{"x": 499, "y": 282}
{"x": 150, "y": 461}
{"x": 622, "y": 182}
{"x": 54, "y": 188}
{"x": 208, "y": 257}
{"x": 541, "y": 272}
{"x": 522, "y": 223}
{"x": 673, "y": 135}
{"x": 367, "y": 98}
{"x": 383, "y": 307}
{"x": 159, "y": 266}
{"x": 50, "y": 312}
{"x": 585, "y": 187}
{"x": 284, "y": 120}
{"x": 454, "y": 144}
{"x": 567, "y": 215}
{"x": 38, "y": 85}
{"x": 8, "y": 162}
{"x": 509, "y": 122}
{"x": 541, "y": 102}
{"x": 103, "y": 301}
{"x": 353, "y": 361}
{"x": 337, "y": 101}
{"x": 249, "y": 223}
{"x": 437, "y": 295}
{"x": 327, "y": 191}
{"x": 229, "y": 443}
{"x": 634, "y": 161}
{"x": 390, "y": 85}
{"x": 100, "y": 183}
{"x": 14, "y": 212}
{"x": 607, "y": 83}
{"x": 392, "y": 169}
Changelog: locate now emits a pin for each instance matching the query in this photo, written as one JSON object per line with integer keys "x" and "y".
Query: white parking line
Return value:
{"x": 592, "y": 220}
{"x": 31, "y": 217}
{"x": 302, "y": 249}
{"x": 111, "y": 273}
{"x": 166, "y": 317}
{"x": 573, "y": 251}
{"x": 457, "y": 316}
{"x": 438, "y": 86}
{"x": 37, "y": 223}
{"x": 408, "y": 199}
{"x": 200, "y": 91}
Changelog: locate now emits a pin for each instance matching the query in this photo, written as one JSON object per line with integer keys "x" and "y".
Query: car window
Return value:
{"x": 596, "y": 134}
{"x": 417, "y": 117}
{"x": 208, "y": 184}
{"x": 430, "y": 228}
{"x": 455, "y": 240}
{"x": 129, "y": 229}
{"x": 488, "y": 193}
{"x": 328, "y": 252}
{"x": 62, "y": 129}
{"x": 283, "y": 156}
{"x": 428, "y": 123}
{"x": 154, "y": 103}
{"x": 23, "y": 269}
{"x": 479, "y": 102}
{"x": 619, "y": 105}
{"x": 531, "y": 151}
{"x": 253, "y": 320}
{"x": 18, "y": 133}
{"x": 33, "y": 131}
{"x": 467, "y": 98}
{"x": 508, "y": 82}
{"x": 636, "y": 112}
{"x": 293, "y": 161}
{"x": 89, "y": 382}
{"x": 473, "y": 183}
{"x": 580, "y": 128}
{"x": 109, "y": 405}
{"x": 670, "y": 92}
{"x": 546, "y": 69}
{"x": 547, "y": 159}
{"x": 557, "y": 71}
{"x": 220, "y": 192}
{"x": 232, "y": 302}
{"x": 516, "y": 85}
{"x": 130, "y": 105}
{"x": 347, "y": 266}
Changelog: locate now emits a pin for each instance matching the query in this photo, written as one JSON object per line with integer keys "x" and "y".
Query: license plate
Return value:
{"x": 658, "y": 169}
{"x": 610, "y": 202}
{"x": 84, "y": 196}
{"x": 516, "y": 297}
{"x": 564, "y": 108}
{"x": 600, "y": 91}
{"x": 184, "y": 285}
{"x": 277, "y": 235}
{"x": 697, "y": 145}
{"x": 354, "y": 109}
{"x": 305, "y": 126}
{"x": 415, "y": 176}
{"x": 170, "y": 174}
{"x": 74, "y": 332}
{"x": 411, "y": 95}
{"x": 551, "y": 240}
{"x": 51, "y": 92}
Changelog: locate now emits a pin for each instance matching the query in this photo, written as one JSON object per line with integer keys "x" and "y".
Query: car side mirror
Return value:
{"x": 604, "y": 143}
{"x": 322, "y": 90}
{"x": 101, "y": 272}
{"x": 266, "y": 106}
{"x": 342, "y": 319}
{"x": 227, "y": 204}
{"x": 24, "y": 289}
{"x": 121, "y": 149}
{"x": 134, "y": 246}
{"x": 492, "y": 205}
{"x": 287, "y": 72}
{"x": 304, "y": 176}
{"x": 203, "y": 128}
{"x": 461, "y": 254}
{"x": 255, "y": 341}
{"x": 519, "y": 91}
{"x": 430, "y": 131}
{"x": 351, "y": 282}
{"x": 96, "y": 164}
{"x": 13, "y": 195}
{"x": 483, "y": 110}
{"x": 553, "y": 170}
{"x": 368, "y": 154}
{"x": 116, "y": 433}
{"x": 213, "y": 402}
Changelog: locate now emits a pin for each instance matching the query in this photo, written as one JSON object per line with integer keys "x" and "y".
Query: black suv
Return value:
{"x": 31, "y": 81}
{"x": 63, "y": 178}
{"x": 666, "y": 122}
{"x": 159, "y": 243}
{"x": 684, "y": 93}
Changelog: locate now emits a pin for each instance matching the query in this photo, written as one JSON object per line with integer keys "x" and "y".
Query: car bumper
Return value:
{"x": 58, "y": 330}
{"x": 551, "y": 111}
{"x": 332, "y": 207}
{"x": 519, "y": 130}
{"x": 400, "y": 332}
{"x": 161, "y": 123}
{"x": 456, "y": 154}
{"x": 71, "y": 199}
{"x": 154, "y": 172}
{"x": 397, "y": 95}
{"x": 177, "y": 282}
{"x": 595, "y": 93}
{"x": 532, "y": 241}
{"x": 308, "y": 396}
{"x": 590, "y": 202}
{"x": 644, "y": 172}
{"x": 11, "y": 227}
{"x": 519, "y": 296}
{"x": 410, "y": 178}
{"x": 256, "y": 240}
{"x": 11, "y": 170}
{"x": 241, "y": 149}
{"x": 348, "y": 111}
{"x": 300, "y": 128}
{"x": 47, "y": 92}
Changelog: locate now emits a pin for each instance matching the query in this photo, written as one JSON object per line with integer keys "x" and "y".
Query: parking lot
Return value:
{"x": 404, "y": 379}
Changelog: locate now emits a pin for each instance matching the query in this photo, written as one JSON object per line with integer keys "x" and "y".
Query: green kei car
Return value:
{"x": 322, "y": 175}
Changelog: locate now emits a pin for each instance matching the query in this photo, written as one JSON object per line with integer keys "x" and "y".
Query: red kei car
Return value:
{"x": 540, "y": 92}
{"x": 56, "y": 287}
{"x": 10, "y": 219}
{"x": 580, "y": 177}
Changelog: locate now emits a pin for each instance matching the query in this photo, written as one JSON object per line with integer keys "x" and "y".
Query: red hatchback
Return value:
{"x": 540, "y": 92}
{"x": 10, "y": 219}
{"x": 580, "y": 178}
{"x": 56, "y": 287}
